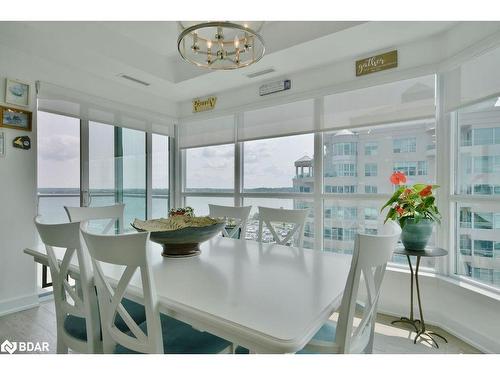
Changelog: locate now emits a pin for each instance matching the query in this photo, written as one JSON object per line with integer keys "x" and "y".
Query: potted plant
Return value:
{"x": 414, "y": 208}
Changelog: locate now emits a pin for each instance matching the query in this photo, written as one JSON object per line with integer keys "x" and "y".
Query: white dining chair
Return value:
{"x": 369, "y": 261}
{"x": 268, "y": 216}
{"x": 240, "y": 214}
{"x": 159, "y": 333}
{"x": 113, "y": 213}
{"x": 77, "y": 316}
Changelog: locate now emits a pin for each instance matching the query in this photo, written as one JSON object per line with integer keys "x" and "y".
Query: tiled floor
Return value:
{"x": 39, "y": 324}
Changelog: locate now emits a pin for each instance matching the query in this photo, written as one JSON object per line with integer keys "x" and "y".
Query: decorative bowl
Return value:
{"x": 182, "y": 242}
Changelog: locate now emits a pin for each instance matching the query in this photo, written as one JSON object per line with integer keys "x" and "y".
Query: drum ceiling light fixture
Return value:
{"x": 221, "y": 45}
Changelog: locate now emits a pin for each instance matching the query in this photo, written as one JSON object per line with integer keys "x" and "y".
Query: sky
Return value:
{"x": 267, "y": 163}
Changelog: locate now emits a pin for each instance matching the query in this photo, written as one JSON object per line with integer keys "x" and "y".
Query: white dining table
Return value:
{"x": 268, "y": 298}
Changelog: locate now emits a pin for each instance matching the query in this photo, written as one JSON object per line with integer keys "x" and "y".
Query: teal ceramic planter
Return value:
{"x": 415, "y": 236}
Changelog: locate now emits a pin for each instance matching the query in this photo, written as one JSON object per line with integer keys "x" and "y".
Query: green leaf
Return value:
{"x": 394, "y": 198}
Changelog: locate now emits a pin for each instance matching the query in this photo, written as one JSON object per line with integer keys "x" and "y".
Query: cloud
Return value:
{"x": 216, "y": 152}
{"x": 216, "y": 164}
{"x": 59, "y": 147}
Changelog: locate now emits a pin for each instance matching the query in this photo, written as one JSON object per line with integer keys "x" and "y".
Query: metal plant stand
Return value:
{"x": 419, "y": 324}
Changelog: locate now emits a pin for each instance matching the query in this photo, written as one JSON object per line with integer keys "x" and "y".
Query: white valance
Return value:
{"x": 388, "y": 103}
{"x": 208, "y": 132}
{"x": 68, "y": 102}
{"x": 472, "y": 81}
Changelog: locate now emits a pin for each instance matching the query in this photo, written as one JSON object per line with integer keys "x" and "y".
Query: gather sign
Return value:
{"x": 206, "y": 104}
{"x": 377, "y": 63}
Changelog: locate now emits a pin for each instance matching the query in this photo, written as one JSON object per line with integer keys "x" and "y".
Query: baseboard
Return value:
{"x": 18, "y": 304}
{"x": 464, "y": 336}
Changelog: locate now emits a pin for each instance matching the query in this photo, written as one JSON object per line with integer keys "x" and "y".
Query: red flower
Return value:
{"x": 426, "y": 191}
{"x": 398, "y": 178}
{"x": 400, "y": 210}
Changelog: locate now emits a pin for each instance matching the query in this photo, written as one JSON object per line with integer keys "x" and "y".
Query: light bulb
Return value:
{"x": 236, "y": 42}
{"x": 209, "y": 44}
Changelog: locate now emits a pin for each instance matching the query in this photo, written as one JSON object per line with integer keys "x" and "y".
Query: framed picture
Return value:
{"x": 2, "y": 144}
{"x": 15, "y": 118}
{"x": 17, "y": 92}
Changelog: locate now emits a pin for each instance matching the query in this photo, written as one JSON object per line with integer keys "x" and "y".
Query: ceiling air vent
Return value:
{"x": 125, "y": 76}
{"x": 260, "y": 73}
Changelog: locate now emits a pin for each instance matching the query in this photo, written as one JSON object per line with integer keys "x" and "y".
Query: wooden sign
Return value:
{"x": 377, "y": 63}
{"x": 207, "y": 104}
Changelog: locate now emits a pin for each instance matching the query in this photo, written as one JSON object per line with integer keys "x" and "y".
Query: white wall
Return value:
{"x": 17, "y": 204}
{"x": 459, "y": 308}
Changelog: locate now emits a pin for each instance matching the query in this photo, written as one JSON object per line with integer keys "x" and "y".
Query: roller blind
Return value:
{"x": 291, "y": 118}
{"x": 474, "y": 80}
{"x": 208, "y": 132}
{"x": 392, "y": 102}
{"x": 68, "y": 102}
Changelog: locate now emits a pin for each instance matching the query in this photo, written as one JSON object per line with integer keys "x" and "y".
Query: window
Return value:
{"x": 371, "y": 213}
{"x": 483, "y": 248}
{"x": 487, "y": 164}
{"x": 371, "y": 169}
{"x": 58, "y": 165}
{"x": 346, "y": 189}
{"x": 404, "y": 145}
{"x": 101, "y": 164}
{"x": 483, "y": 220}
{"x": 465, "y": 245}
{"x": 343, "y": 170}
{"x": 371, "y": 149}
{"x": 344, "y": 217}
{"x": 132, "y": 181}
{"x": 477, "y": 173}
{"x": 412, "y": 168}
{"x": 282, "y": 164}
{"x": 486, "y": 136}
{"x": 344, "y": 148}
{"x": 210, "y": 169}
{"x": 160, "y": 169}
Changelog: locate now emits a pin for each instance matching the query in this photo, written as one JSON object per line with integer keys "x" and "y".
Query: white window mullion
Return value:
{"x": 238, "y": 163}
{"x": 84, "y": 164}
{"x": 444, "y": 174}
{"x": 318, "y": 174}
{"x": 149, "y": 175}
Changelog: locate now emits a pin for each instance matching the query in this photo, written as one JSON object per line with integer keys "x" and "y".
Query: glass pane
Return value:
{"x": 58, "y": 165}
{"x": 343, "y": 218}
{"x": 117, "y": 169}
{"x": 101, "y": 164}
{"x": 279, "y": 164}
{"x": 253, "y": 222}
{"x": 478, "y": 239}
{"x": 133, "y": 174}
{"x": 200, "y": 204}
{"x": 478, "y": 169}
{"x": 362, "y": 160}
{"x": 210, "y": 168}
{"x": 160, "y": 176}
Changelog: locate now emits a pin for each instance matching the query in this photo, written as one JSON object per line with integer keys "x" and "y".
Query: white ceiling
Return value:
{"x": 148, "y": 50}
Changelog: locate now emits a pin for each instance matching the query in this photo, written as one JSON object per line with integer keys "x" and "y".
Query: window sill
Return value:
{"x": 458, "y": 281}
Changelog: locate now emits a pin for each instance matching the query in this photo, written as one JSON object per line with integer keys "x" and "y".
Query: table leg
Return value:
{"x": 423, "y": 331}
{"x": 413, "y": 322}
